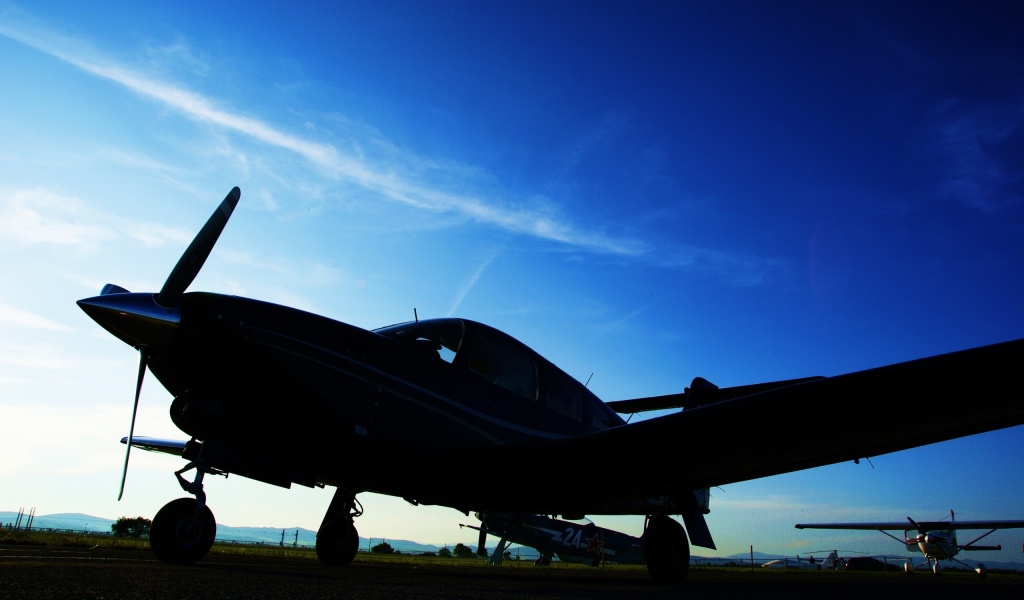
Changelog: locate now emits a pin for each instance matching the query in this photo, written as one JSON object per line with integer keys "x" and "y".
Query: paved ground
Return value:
{"x": 34, "y": 572}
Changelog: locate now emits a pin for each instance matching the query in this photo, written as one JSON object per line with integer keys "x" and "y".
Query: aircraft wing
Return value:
{"x": 175, "y": 447}
{"x": 880, "y": 526}
{"x": 699, "y": 393}
{"x": 817, "y": 422}
{"x": 925, "y": 525}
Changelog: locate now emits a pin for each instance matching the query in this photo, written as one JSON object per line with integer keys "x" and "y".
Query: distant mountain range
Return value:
{"x": 760, "y": 557}
{"x": 306, "y": 538}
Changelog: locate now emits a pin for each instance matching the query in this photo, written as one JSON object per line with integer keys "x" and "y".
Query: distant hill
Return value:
{"x": 72, "y": 521}
{"x": 760, "y": 557}
{"x": 245, "y": 535}
{"x": 305, "y": 537}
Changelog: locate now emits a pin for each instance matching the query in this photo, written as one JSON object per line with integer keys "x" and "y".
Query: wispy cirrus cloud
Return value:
{"x": 472, "y": 280}
{"x": 41, "y": 216}
{"x": 981, "y": 167}
{"x": 13, "y": 316}
{"x": 354, "y": 167}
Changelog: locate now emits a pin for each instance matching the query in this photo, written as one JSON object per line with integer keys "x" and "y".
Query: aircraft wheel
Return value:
{"x": 177, "y": 537}
{"x": 666, "y": 550}
{"x": 936, "y": 568}
{"x": 337, "y": 542}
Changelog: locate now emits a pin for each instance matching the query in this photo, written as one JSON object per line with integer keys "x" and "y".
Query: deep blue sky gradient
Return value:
{"x": 645, "y": 193}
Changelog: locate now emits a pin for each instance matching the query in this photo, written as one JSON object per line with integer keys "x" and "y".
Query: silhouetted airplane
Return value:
{"x": 584, "y": 543}
{"x": 935, "y": 539}
{"x": 409, "y": 410}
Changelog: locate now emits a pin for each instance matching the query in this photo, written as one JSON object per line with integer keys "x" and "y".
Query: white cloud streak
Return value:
{"x": 37, "y": 216}
{"x": 471, "y": 281}
{"x": 17, "y": 317}
{"x": 325, "y": 156}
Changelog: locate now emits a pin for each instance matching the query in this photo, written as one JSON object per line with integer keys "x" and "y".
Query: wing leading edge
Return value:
{"x": 907, "y": 525}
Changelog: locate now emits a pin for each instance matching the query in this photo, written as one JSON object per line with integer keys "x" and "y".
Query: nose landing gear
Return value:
{"x": 183, "y": 530}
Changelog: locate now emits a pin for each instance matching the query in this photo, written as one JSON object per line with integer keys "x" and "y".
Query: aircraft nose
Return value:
{"x": 135, "y": 319}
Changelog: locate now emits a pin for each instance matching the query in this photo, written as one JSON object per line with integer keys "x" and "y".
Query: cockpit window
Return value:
{"x": 443, "y": 336}
{"x": 504, "y": 366}
{"x": 602, "y": 417}
{"x": 569, "y": 398}
{"x": 564, "y": 397}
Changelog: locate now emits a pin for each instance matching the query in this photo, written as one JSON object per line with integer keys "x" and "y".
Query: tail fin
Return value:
{"x": 832, "y": 561}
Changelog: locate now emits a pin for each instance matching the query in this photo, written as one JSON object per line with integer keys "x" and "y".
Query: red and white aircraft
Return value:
{"x": 935, "y": 539}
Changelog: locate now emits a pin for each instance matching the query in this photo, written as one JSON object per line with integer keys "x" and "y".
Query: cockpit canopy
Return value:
{"x": 442, "y": 335}
{"x": 507, "y": 363}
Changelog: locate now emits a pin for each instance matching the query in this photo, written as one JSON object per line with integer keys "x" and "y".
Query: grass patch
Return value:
{"x": 76, "y": 539}
{"x": 68, "y": 539}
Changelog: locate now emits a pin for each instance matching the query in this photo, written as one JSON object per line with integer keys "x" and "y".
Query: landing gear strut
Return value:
{"x": 337, "y": 541}
{"x": 666, "y": 549}
{"x": 183, "y": 530}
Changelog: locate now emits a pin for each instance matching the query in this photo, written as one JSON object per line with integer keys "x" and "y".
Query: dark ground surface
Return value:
{"x": 53, "y": 572}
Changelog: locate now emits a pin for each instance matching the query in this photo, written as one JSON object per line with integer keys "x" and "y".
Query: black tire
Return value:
{"x": 173, "y": 536}
{"x": 666, "y": 550}
{"x": 337, "y": 542}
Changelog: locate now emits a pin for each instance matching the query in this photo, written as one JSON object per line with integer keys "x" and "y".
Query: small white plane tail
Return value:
{"x": 829, "y": 563}
{"x": 832, "y": 561}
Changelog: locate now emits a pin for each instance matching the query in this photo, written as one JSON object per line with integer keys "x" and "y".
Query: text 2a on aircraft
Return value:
{"x": 239, "y": 370}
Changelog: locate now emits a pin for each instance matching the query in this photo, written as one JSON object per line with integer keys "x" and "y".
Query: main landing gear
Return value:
{"x": 666, "y": 549}
{"x": 183, "y": 530}
{"x": 337, "y": 541}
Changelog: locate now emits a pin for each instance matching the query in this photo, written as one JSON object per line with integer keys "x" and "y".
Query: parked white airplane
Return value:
{"x": 935, "y": 539}
{"x": 832, "y": 561}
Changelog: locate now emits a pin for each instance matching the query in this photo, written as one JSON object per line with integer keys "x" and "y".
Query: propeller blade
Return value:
{"x": 143, "y": 357}
{"x": 195, "y": 255}
{"x": 916, "y": 526}
{"x": 481, "y": 547}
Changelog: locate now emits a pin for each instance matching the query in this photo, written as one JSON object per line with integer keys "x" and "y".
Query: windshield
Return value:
{"x": 442, "y": 335}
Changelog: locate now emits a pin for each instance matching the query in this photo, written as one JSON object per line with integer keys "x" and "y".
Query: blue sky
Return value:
{"x": 744, "y": 191}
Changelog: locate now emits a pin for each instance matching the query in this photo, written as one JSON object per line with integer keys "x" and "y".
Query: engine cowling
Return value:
{"x": 201, "y": 415}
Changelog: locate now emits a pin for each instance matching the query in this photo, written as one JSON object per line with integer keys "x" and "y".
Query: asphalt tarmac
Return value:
{"x": 36, "y": 572}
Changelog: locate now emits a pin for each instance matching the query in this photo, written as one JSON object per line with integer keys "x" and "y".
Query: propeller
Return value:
{"x": 195, "y": 255}
{"x": 182, "y": 275}
{"x": 143, "y": 356}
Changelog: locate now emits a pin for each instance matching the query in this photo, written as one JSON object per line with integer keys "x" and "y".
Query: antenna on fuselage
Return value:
{"x": 588, "y": 380}
{"x": 415, "y": 315}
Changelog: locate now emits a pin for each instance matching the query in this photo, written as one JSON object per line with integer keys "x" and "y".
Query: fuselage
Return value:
{"x": 346, "y": 403}
{"x": 938, "y": 545}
